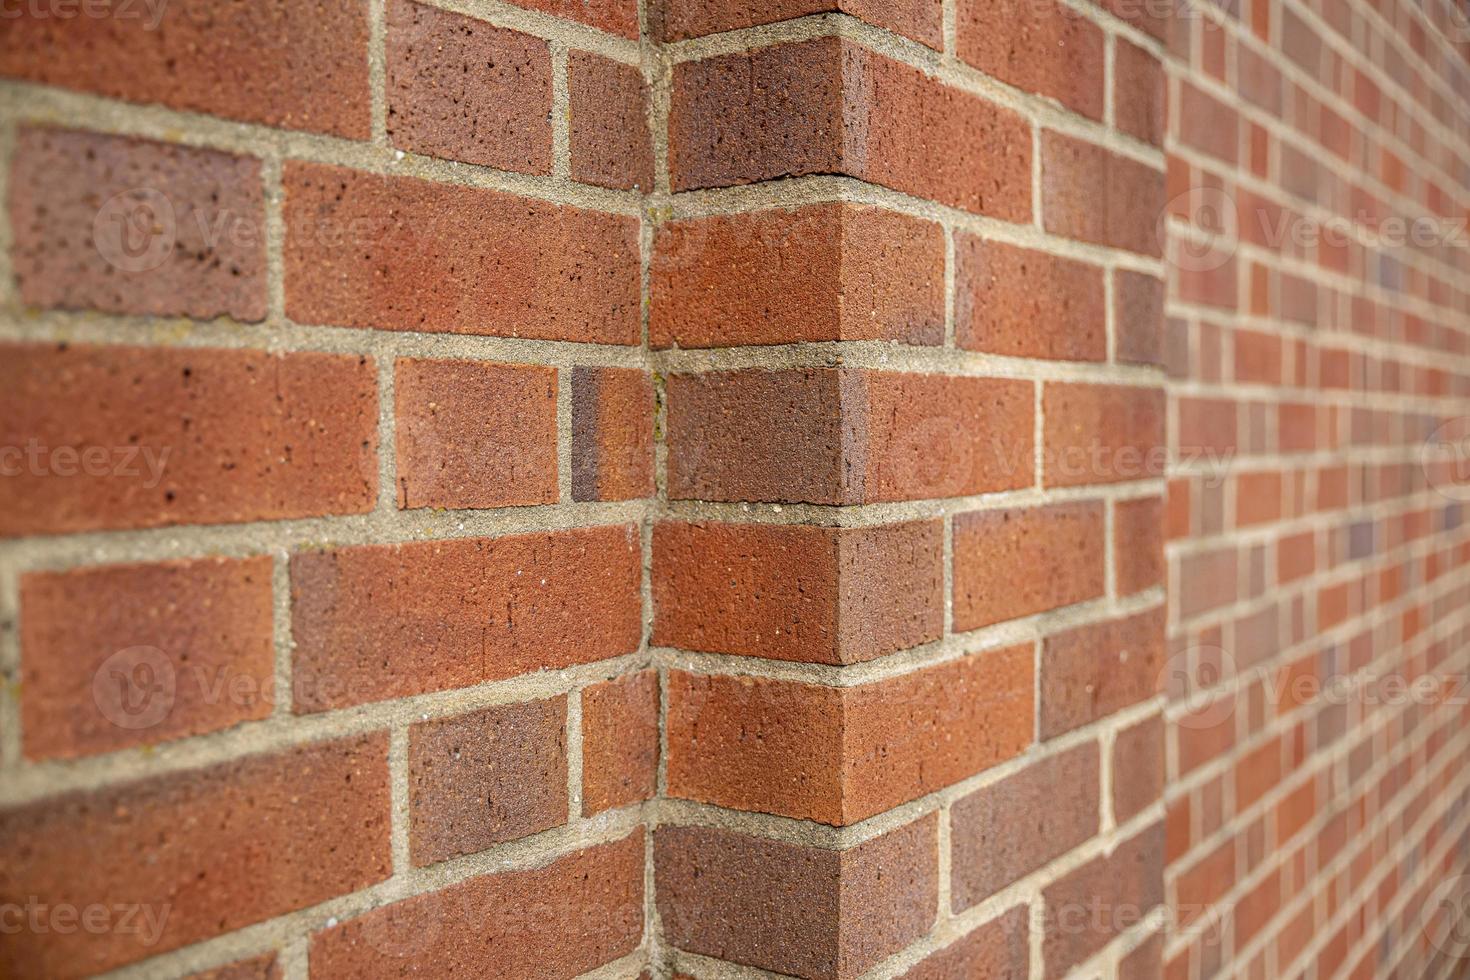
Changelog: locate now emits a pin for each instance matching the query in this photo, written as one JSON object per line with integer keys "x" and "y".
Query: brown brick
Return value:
{"x": 386, "y": 621}
{"x": 1023, "y": 303}
{"x": 1094, "y": 195}
{"x": 1138, "y": 317}
{"x": 795, "y": 592}
{"x": 841, "y": 755}
{"x": 841, "y": 436}
{"x": 1138, "y": 768}
{"x": 680, "y": 19}
{"x": 475, "y": 434}
{"x": 1138, "y": 535}
{"x": 1018, "y": 562}
{"x": 560, "y": 920}
{"x": 297, "y": 64}
{"x": 1138, "y": 93}
{"x": 614, "y": 16}
{"x": 1102, "y": 433}
{"x": 773, "y": 905}
{"x": 998, "y": 950}
{"x": 1090, "y": 906}
{"x": 489, "y": 776}
{"x": 1092, "y": 671}
{"x": 620, "y": 736}
{"x": 1006, "y": 830}
{"x": 398, "y": 253}
{"x": 864, "y": 273}
{"x": 265, "y": 967}
{"x": 462, "y": 89}
{"x": 204, "y": 851}
{"x": 120, "y": 437}
{"x": 612, "y": 434}
{"x": 1038, "y": 46}
{"x": 610, "y": 143}
{"x": 126, "y": 225}
{"x": 827, "y": 106}
{"x": 126, "y": 655}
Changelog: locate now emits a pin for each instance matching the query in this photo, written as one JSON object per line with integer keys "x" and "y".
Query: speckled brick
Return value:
{"x": 1092, "y": 671}
{"x": 265, "y": 967}
{"x": 1130, "y": 878}
{"x": 1138, "y": 92}
{"x": 182, "y": 435}
{"x": 125, "y": 225}
{"x": 773, "y": 905}
{"x": 1023, "y": 303}
{"x": 865, "y": 274}
{"x": 620, "y": 737}
{"x": 618, "y": 17}
{"x": 1098, "y": 433}
{"x": 474, "y": 434}
{"x": 462, "y": 89}
{"x": 612, "y": 434}
{"x": 486, "y": 777}
{"x": 680, "y": 19}
{"x": 998, "y": 950}
{"x": 295, "y": 64}
{"x": 124, "y": 655}
{"x": 608, "y": 131}
{"x": 399, "y": 253}
{"x": 1138, "y": 317}
{"x": 1139, "y": 525}
{"x": 377, "y": 622}
{"x": 204, "y": 851}
{"x": 1094, "y": 195}
{"x": 560, "y": 920}
{"x": 1040, "y": 46}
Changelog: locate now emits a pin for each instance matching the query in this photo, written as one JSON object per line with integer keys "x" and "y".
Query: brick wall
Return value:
{"x": 730, "y": 489}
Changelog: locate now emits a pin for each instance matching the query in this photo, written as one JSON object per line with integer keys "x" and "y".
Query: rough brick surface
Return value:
{"x": 1093, "y": 671}
{"x": 797, "y": 593}
{"x": 612, "y": 434}
{"x": 266, "y": 967}
{"x": 485, "y": 777}
{"x": 680, "y": 19}
{"x": 558, "y": 920}
{"x": 1120, "y": 887}
{"x": 1101, "y": 433}
{"x": 125, "y": 655}
{"x": 370, "y": 623}
{"x": 471, "y": 434}
{"x": 864, "y": 274}
{"x": 1138, "y": 317}
{"x": 1045, "y": 47}
{"x": 116, "y": 437}
{"x": 398, "y": 253}
{"x": 1017, "y": 562}
{"x": 1094, "y": 195}
{"x": 610, "y": 142}
{"x": 132, "y": 226}
{"x": 206, "y": 850}
{"x": 999, "y": 948}
{"x": 462, "y": 89}
{"x": 620, "y": 742}
{"x": 618, "y": 17}
{"x": 1025, "y": 303}
{"x": 298, "y": 64}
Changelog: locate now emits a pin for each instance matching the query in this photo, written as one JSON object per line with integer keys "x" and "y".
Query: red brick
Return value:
{"x": 841, "y": 755}
{"x": 1023, "y": 303}
{"x": 1138, "y": 533}
{"x": 489, "y": 776}
{"x": 1145, "y": 962}
{"x": 828, "y": 106}
{"x": 1043, "y": 47}
{"x": 1008, "y": 829}
{"x": 121, "y": 437}
{"x": 1138, "y": 93}
{"x": 1138, "y": 768}
{"x": 1201, "y": 885}
{"x": 1019, "y": 561}
{"x": 1102, "y": 433}
{"x": 398, "y": 253}
{"x": 1258, "y": 357}
{"x": 126, "y": 225}
{"x": 560, "y": 920}
{"x": 294, "y": 64}
{"x": 1207, "y": 125}
{"x": 620, "y": 736}
{"x": 681, "y": 19}
{"x": 1001, "y": 948}
{"x": 265, "y": 967}
{"x": 614, "y": 16}
{"x": 1093, "y": 195}
{"x": 608, "y": 129}
{"x": 844, "y": 436}
{"x": 462, "y": 89}
{"x": 126, "y": 655}
{"x": 864, "y": 274}
{"x": 1090, "y": 906}
{"x": 378, "y": 622}
{"x": 1138, "y": 311}
{"x": 205, "y": 851}
{"x": 796, "y": 592}
{"x": 773, "y": 905}
{"x": 612, "y": 434}
{"x": 1093, "y": 671}
{"x": 475, "y": 434}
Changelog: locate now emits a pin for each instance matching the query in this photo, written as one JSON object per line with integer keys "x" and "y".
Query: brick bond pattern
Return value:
{"x": 683, "y": 488}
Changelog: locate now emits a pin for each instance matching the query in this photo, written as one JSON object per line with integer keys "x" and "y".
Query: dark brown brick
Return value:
{"x": 1018, "y": 562}
{"x": 610, "y": 143}
{"x": 1138, "y": 92}
{"x": 1093, "y": 195}
{"x": 1138, "y": 311}
{"x": 998, "y": 950}
{"x": 612, "y": 434}
{"x": 1090, "y": 906}
{"x": 620, "y": 736}
{"x": 1138, "y": 768}
{"x": 1022, "y": 303}
{"x": 1093, "y": 671}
